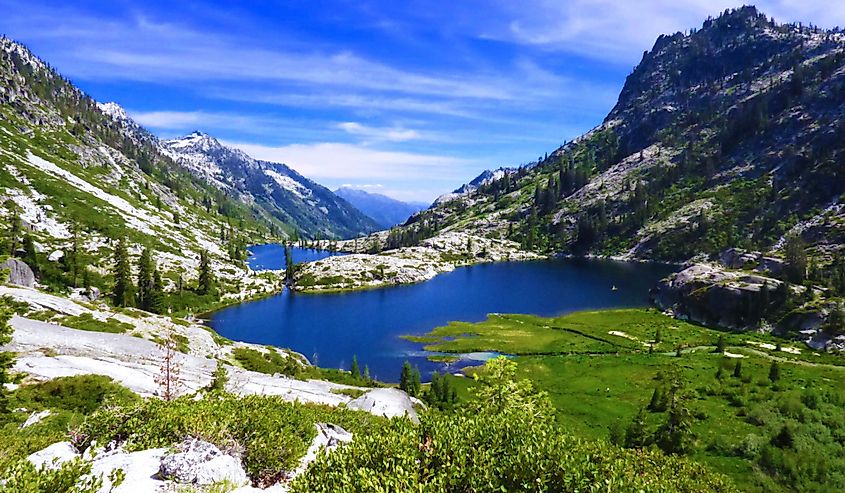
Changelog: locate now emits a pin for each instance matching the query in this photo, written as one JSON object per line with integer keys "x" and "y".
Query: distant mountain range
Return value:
{"x": 312, "y": 209}
{"x": 384, "y": 210}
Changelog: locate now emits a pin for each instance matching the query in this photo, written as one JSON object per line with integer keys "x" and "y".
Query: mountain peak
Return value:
{"x": 114, "y": 110}
{"x": 197, "y": 140}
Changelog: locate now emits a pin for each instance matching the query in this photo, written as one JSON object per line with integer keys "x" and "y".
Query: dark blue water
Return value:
{"x": 272, "y": 256}
{"x": 330, "y": 328}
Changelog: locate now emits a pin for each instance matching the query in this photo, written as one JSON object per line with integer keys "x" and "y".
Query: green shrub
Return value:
{"x": 71, "y": 477}
{"x": 83, "y": 394}
{"x": 505, "y": 441}
{"x": 86, "y": 321}
{"x": 269, "y": 362}
{"x": 272, "y": 433}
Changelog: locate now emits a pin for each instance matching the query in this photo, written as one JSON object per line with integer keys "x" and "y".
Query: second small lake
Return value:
{"x": 330, "y": 328}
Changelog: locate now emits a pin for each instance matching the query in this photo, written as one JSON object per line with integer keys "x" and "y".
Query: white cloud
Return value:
{"x": 620, "y": 30}
{"x": 342, "y": 161}
{"x": 390, "y": 134}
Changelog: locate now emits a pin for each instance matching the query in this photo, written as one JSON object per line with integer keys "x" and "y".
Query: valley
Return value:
{"x": 655, "y": 305}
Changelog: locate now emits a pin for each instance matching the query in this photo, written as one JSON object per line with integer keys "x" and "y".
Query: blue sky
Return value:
{"x": 408, "y": 98}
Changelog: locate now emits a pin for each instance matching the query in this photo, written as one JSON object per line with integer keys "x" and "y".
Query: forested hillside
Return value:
{"x": 728, "y": 136}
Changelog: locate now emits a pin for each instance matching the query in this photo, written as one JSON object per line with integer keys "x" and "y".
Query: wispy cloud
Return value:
{"x": 390, "y": 134}
{"x": 620, "y": 30}
{"x": 342, "y": 161}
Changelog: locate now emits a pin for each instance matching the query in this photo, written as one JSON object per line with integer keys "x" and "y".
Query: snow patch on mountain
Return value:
{"x": 288, "y": 183}
{"x": 114, "y": 110}
{"x": 487, "y": 176}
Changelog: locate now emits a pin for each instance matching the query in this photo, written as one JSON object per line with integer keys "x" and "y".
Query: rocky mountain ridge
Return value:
{"x": 313, "y": 210}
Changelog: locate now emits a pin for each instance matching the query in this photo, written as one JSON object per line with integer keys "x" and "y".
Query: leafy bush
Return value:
{"x": 83, "y": 394}
{"x": 271, "y": 433}
{"x": 269, "y": 362}
{"x": 71, "y": 477}
{"x": 86, "y": 321}
{"x": 506, "y": 440}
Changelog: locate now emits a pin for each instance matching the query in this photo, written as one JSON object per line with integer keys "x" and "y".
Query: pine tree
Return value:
{"x": 14, "y": 227}
{"x": 367, "y": 377}
{"x": 145, "y": 280}
{"x": 356, "y": 371}
{"x": 720, "y": 344}
{"x": 656, "y": 398}
{"x": 290, "y": 268}
{"x": 774, "y": 372}
{"x": 406, "y": 377}
{"x": 157, "y": 293}
{"x": 636, "y": 435}
{"x": 796, "y": 259}
{"x": 738, "y": 369}
{"x": 415, "y": 382}
{"x": 205, "y": 283}
{"x": 676, "y": 436}
{"x": 122, "y": 289}
{"x": 30, "y": 256}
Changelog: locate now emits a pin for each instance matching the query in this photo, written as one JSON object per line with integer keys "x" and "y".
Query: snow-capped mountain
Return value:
{"x": 285, "y": 194}
{"x": 484, "y": 178}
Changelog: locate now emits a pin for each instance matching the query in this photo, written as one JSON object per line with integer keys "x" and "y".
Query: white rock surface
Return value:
{"x": 54, "y": 455}
{"x": 390, "y": 403}
{"x": 200, "y": 462}
{"x": 329, "y": 437}
{"x": 36, "y": 418}
{"x": 141, "y": 469}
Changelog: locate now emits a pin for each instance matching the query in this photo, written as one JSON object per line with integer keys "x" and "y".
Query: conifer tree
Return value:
{"x": 720, "y": 344}
{"x": 738, "y": 369}
{"x": 157, "y": 293}
{"x": 415, "y": 382}
{"x": 635, "y": 435}
{"x": 145, "y": 280}
{"x": 356, "y": 371}
{"x": 30, "y": 257}
{"x": 406, "y": 377}
{"x": 122, "y": 289}
{"x": 14, "y": 227}
{"x": 774, "y": 372}
{"x": 206, "y": 276}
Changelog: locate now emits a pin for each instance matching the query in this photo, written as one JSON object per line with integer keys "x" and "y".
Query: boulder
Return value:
{"x": 711, "y": 295}
{"x": 200, "y": 462}
{"x": 141, "y": 470}
{"x": 389, "y": 403}
{"x": 55, "y": 256}
{"x": 19, "y": 273}
{"x": 54, "y": 455}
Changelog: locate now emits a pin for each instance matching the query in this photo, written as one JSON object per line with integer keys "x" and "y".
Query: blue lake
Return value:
{"x": 330, "y": 328}
{"x": 272, "y": 256}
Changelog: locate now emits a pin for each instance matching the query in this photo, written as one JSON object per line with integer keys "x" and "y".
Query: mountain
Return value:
{"x": 728, "y": 136}
{"x": 311, "y": 209}
{"x": 486, "y": 176}
{"x": 386, "y": 211}
{"x": 78, "y": 175}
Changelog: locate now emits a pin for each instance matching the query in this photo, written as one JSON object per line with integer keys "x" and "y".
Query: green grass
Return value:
{"x": 269, "y": 362}
{"x": 86, "y": 321}
{"x": 597, "y": 381}
{"x": 69, "y": 399}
